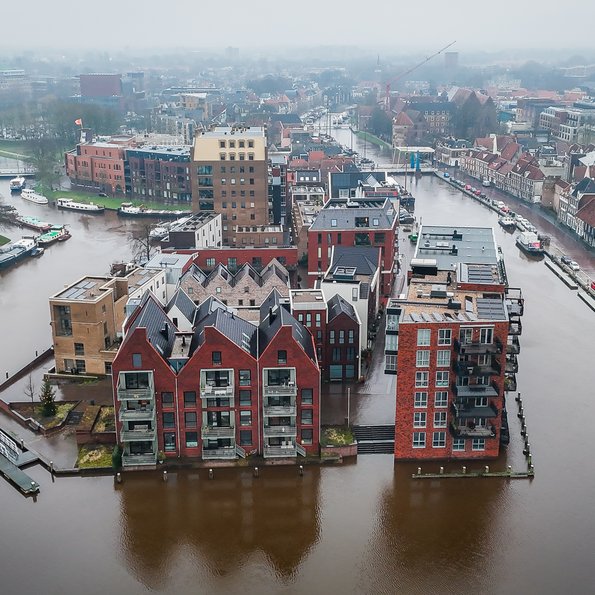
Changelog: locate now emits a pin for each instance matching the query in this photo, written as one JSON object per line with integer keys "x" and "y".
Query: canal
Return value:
{"x": 365, "y": 527}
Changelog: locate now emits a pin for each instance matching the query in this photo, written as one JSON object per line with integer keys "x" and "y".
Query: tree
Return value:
{"x": 29, "y": 389}
{"x": 140, "y": 243}
{"x": 47, "y": 396}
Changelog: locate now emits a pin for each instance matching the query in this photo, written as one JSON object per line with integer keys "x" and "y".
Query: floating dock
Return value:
{"x": 19, "y": 478}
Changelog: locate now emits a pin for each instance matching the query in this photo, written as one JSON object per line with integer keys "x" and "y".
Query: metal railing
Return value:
{"x": 476, "y": 390}
{"x": 472, "y": 432}
{"x": 471, "y": 410}
{"x": 137, "y": 435}
{"x": 208, "y": 391}
{"x": 129, "y": 460}
{"x": 218, "y": 431}
{"x": 279, "y": 410}
{"x": 229, "y": 452}
{"x": 136, "y": 394}
{"x": 136, "y": 414}
{"x": 280, "y": 431}
{"x": 280, "y": 451}
{"x": 280, "y": 390}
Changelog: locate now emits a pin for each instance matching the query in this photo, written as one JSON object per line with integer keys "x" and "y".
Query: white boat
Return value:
{"x": 32, "y": 196}
{"x": 12, "y": 253}
{"x": 71, "y": 205}
{"x": 17, "y": 184}
{"x": 530, "y": 243}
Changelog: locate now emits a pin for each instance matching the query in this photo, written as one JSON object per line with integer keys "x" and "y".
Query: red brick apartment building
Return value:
{"x": 456, "y": 342}
{"x": 348, "y": 222}
{"x": 227, "y": 389}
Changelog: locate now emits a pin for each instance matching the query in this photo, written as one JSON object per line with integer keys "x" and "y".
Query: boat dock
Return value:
{"x": 562, "y": 275}
{"x": 12, "y": 458}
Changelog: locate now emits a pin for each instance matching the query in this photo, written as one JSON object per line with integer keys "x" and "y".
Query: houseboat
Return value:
{"x": 529, "y": 243}
{"x": 57, "y": 233}
{"x": 12, "y": 253}
{"x": 33, "y": 223}
{"x": 32, "y": 196}
{"x": 71, "y": 205}
{"x": 127, "y": 209}
{"x": 17, "y": 184}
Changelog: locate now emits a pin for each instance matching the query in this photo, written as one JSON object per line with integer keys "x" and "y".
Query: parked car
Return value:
{"x": 565, "y": 259}
{"x": 467, "y": 186}
{"x": 446, "y": 174}
{"x": 483, "y": 195}
{"x": 477, "y": 192}
{"x": 593, "y": 285}
{"x": 573, "y": 265}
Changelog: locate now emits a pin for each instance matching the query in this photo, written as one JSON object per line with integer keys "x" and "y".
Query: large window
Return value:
{"x": 438, "y": 439}
{"x": 137, "y": 380}
{"x": 423, "y": 337}
{"x": 421, "y": 379}
{"x": 191, "y": 439}
{"x": 440, "y": 419}
{"x": 486, "y": 335}
{"x": 169, "y": 441}
{"x": 478, "y": 444}
{"x": 441, "y": 378}
{"x": 307, "y": 396}
{"x": 443, "y": 358}
{"x": 441, "y": 398}
{"x": 419, "y": 439}
{"x": 189, "y": 398}
{"x": 419, "y": 419}
{"x": 422, "y": 358}
{"x": 420, "y": 399}
{"x": 444, "y": 336}
{"x": 168, "y": 419}
{"x": 307, "y": 417}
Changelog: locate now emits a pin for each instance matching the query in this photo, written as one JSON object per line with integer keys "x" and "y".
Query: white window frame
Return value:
{"x": 442, "y": 373}
{"x": 478, "y": 444}
{"x": 444, "y": 336}
{"x": 422, "y": 379}
{"x": 443, "y": 358}
{"x": 419, "y": 440}
{"x": 424, "y": 336}
{"x": 458, "y": 445}
{"x": 440, "y": 419}
{"x": 420, "y": 399}
{"x": 422, "y": 358}
{"x": 439, "y": 440}
{"x": 441, "y": 402}
{"x": 420, "y": 419}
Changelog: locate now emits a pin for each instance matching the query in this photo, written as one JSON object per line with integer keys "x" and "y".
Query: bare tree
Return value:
{"x": 140, "y": 243}
{"x": 29, "y": 389}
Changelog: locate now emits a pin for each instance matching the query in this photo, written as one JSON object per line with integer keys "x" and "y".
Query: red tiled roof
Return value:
{"x": 403, "y": 120}
{"x": 510, "y": 150}
{"x": 586, "y": 209}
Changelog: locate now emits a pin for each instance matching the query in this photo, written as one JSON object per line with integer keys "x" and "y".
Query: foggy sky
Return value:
{"x": 398, "y": 24}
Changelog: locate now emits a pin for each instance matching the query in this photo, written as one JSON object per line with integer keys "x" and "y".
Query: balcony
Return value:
{"x": 279, "y": 410}
{"x": 137, "y": 435}
{"x": 129, "y": 460}
{"x": 512, "y": 364}
{"x": 280, "y": 451}
{"x": 146, "y": 414}
{"x": 510, "y": 382}
{"x": 209, "y": 391}
{"x": 475, "y": 390}
{"x": 228, "y": 452}
{"x": 515, "y": 328}
{"x": 289, "y": 389}
{"x": 218, "y": 432}
{"x": 135, "y": 394}
{"x": 475, "y": 347}
{"x": 470, "y": 431}
{"x": 464, "y": 410}
{"x": 473, "y": 369}
{"x": 513, "y": 345}
{"x": 279, "y": 431}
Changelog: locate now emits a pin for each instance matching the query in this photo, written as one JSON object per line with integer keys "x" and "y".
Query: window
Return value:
{"x": 80, "y": 366}
{"x": 362, "y": 239}
{"x": 246, "y": 418}
{"x": 79, "y": 349}
{"x": 422, "y": 379}
{"x": 245, "y": 398}
{"x": 282, "y": 356}
{"x": 390, "y": 363}
{"x": 333, "y": 223}
{"x": 169, "y": 441}
{"x": 189, "y": 398}
{"x": 440, "y": 419}
{"x": 443, "y": 358}
{"x": 423, "y": 337}
{"x": 191, "y": 439}
{"x": 419, "y": 419}
{"x": 420, "y": 399}
{"x": 190, "y": 419}
{"x": 341, "y": 337}
{"x": 318, "y": 319}
{"x": 481, "y": 401}
{"x": 438, "y": 439}
{"x": 168, "y": 420}
{"x": 422, "y": 358}
{"x": 331, "y": 337}
{"x": 307, "y": 396}
{"x": 486, "y": 335}
{"x": 336, "y": 354}
{"x": 216, "y": 358}
{"x": 441, "y": 398}
{"x": 458, "y": 444}
{"x": 354, "y": 294}
{"x": 350, "y": 354}
{"x": 466, "y": 335}
{"x": 379, "y": 238}
{"x": 245, "y": 378}
{"x": 222, "y": 144}
{"x": 167, "y": 399}
{"x": 245, "y": 437}
{"x": 307, "y": 436}
{"x": 419, "y": 439}
{"x": 478, "y": 444}
{"x": 308, "y": 319}
{"x": 350, "y": 337}
{"x": 441, "y": 378}
{"x": 444, "y": 336}
{"x": 137, "y": 360}
{"x": 307, "y": 417}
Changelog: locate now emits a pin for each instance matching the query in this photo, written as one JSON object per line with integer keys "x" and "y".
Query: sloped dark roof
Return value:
{"x": 338, "y": 305}
{"x": 286, "y": 118}
{"x": 184, "y": 304}
{"x": 160, "y": 329}
{"x": 363, "y": 258}
{"x": 208, "y": 306}
{"x": 585, "y": 186}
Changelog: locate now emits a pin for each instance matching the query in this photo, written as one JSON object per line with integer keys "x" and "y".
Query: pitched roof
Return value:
{"x": 403, "y": 120}
{"x": 184, "y": 304}
{"x": 363, "y": 258}
{"x": 337, "y": 306}
{"x": 585, "y": 186}
{"x": 586, "y": 210}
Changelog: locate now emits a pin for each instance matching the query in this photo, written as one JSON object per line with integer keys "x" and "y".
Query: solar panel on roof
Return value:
{"x": 437, "y": 316}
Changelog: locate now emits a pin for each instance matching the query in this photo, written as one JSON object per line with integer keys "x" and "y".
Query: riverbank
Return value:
{"x": 372, "y": 138}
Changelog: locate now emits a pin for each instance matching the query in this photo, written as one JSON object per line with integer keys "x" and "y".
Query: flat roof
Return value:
{"x": 88, "y": 288}
{"x": 245, "y": 131}
{"x": 307, "y": 296}
{"x": 140, "y": 277}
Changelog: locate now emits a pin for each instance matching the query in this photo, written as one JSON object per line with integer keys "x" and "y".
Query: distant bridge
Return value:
{"x": 11, "y": 172}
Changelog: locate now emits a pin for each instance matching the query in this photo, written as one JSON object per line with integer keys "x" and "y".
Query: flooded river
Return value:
{"x": 358, "y": 528}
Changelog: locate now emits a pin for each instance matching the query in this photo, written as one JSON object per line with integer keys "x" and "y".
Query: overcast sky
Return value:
{"x": 406, "y": 24}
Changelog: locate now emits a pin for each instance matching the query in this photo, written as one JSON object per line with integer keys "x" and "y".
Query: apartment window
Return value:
{"x": 245, "y": 398}
{"x": 419, "y": 439}
{"x": 331, "y": 337}
{"x": 438, "y": 439}
{"x": 318, "y": 319}
{"x": 281, "y": 356}
{"x": 307, "y": 396}
{"x": 307, "y": 436}
{"x": 419, "y": 419}
{"x": 444, "y": 336}
{"x": 441, "y": 378}
{"x": 422, "y": 358}
{"x": 422, "y": 379}
{"x": 308, "y": 319}
{"x": 458, "y": 444}
{"x": 350, "y": 354}
{"x": 169, "y": 441}
{"x": 245, "y": 437}
{"x": 333, "y": 223}
{"x": 79, "y": 349}
{"x": 222, "y": 144}
{"x": 443, "y": 358}
{"x": 245, "y": 378}
{"x": 486, "y": 335}
{"x": 216, "y": 358}
{"x": 167, "y": 399}
{"x": 80, "y": 366}
{"x": 189, "y": 398}
{"x": 190, "y": 419}
{"x": 251, "y": 144}
{"x": 168, "y": 419}
{"x": 440, "y": 419}
{"x": 137, "y": 360}
{"x": 210, "y": 262}
{"x": 246, "y": 418}
{"x": 191, "y": 439}
{"x": 390, "y": 363}
{"x": 307, "y": 417}
{"x": 420, "y": 399}
{"x": 423, "y": 337}
{"x": 350, "y": 336}
{"x": 466, "y": 335}
{"x": 441, "y": 398}
{"x": 478, "y": 444}
{"x": 336, "y": 354}
{"x": 354, "y": 294}
{"x": 379, "y": 238}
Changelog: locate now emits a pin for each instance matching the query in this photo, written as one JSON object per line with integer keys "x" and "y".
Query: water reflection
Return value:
{"x": 221, "y": 522}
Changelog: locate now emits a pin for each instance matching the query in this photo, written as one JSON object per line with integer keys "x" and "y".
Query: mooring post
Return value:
{"x": 301, "y": 470}
{"x": 51, "y": 466}
{"x": 509, "y": 469}
{"x": 464, "y": 469}
{"x": 441, "y": 470}
{"x": 255, "y": 471}
{"x": 486, "y": 469}
{"x": 119, "y": 477}
{"x": 164, "y": 475}
{"x": 211, "y": 473}
{"x": 419, "y": 470}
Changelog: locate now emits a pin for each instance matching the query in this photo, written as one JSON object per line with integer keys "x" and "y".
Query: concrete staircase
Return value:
{"x": 378, "y": 439}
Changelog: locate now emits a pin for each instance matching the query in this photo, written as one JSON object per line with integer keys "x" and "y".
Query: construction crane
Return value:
{"x": 406, "y": 72}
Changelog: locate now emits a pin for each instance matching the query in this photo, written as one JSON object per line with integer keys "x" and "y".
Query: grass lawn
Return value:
{"x": 92, "y": 457}
{"x": 337, "y": 436}
{"x": 106, "y": 422}
{"x": 3, "y": 240}
{"x": 371, "y": 138}
{"x": 13, "y": 148}
{"x": 35, "y": 411}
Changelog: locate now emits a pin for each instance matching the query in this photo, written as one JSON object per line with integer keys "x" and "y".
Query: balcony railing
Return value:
{"x": 280, "y": 431}
{"x": 136, "y": 394}
{"x": 465, "y": 410}
{"x": 515, "y": 328}
{"x": 475, "y": 347}
{"x": 208, "y": 391}
{"x": 475, "y": 390}
{"x": 280, "y": 390}
{"x": 513, "y": 346}
{"x": 510, "y": 382}
{"x": 473, "y": 369}
{"x": 129, "y": 460}
{"x": 218, "y": 432}
{"x": 136, "y": 414}
{"x": 280, "y": 451}
{"x": 279, "y": 410}
{"x": 465, "y": 431}
{"x": 229, "y": 452}
{"x": 137, "y": 435}
{"x": 512, "y": 364}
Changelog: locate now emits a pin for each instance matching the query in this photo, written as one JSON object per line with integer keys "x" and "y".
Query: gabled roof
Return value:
{"x": 586, "y": 210}
{"x": 337, "y": 306}
{"x": 403, "y": 120}
{"x": 363, "y": 258}
{"x": 184, "y": 304}
{"x": 585, "y": 186}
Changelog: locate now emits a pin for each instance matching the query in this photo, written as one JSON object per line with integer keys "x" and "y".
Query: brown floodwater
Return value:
{"x": 364, "y": 527}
